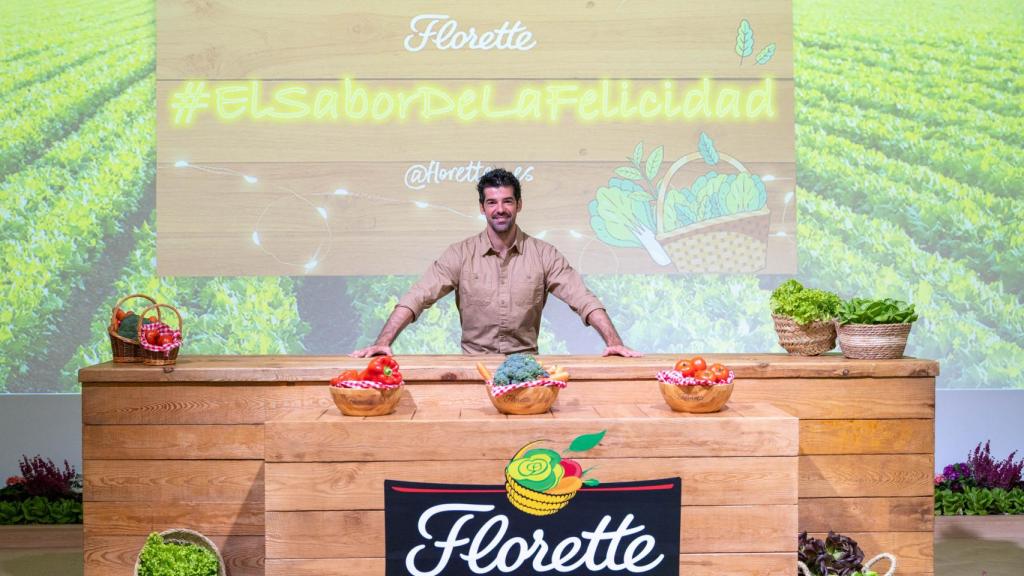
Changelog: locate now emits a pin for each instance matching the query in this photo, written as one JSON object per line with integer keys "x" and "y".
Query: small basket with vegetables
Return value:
{"x": 874, "y": 329}
{"x": 123, "y": 330}
{"x": 158, "y": 342}
{"x": 693, "y": 386}
{"x": 374, "y": 391}
{"x": 804, "y": 318}
{"x": 522, "y": 386}
{"x": 179, "y": 552}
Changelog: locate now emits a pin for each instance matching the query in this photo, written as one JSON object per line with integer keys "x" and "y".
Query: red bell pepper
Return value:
{"x": 384, "y": 370}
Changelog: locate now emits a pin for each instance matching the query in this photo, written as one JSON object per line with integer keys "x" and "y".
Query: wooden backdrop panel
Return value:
{"x": 317, "y": 39}
{"x": 379, "y": 211}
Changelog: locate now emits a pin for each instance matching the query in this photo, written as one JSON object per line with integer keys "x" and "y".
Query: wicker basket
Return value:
{"x": 185, "y": 536}
{"x": 873, "y": 341}
{"x": 533, "y": 502}
{"x": 805, "y": 571}
{"x": 163, "y": 357}
{"x": 732, "y": 244}
{"x": 125, "y": 350}
{"x": 805, "y": 339}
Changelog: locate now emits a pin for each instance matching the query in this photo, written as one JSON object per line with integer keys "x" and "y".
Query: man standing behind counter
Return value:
{"x": 502, "y": 278}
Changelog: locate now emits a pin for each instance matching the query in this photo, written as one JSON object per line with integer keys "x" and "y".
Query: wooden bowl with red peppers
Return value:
{"x": 374, "y": 391}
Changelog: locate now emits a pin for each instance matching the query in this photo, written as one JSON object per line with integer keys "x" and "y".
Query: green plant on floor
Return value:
{"x": 43, "y": 494}
{"x": 836, "y": 555}
{"x": 159, "y": 558}
{"x": 981, "y": 486}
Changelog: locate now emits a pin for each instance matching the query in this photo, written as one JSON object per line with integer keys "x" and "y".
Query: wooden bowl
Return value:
{"x": 366, "y": 401}
{"x": 536, "y": 400}
{"x": 697, "y": 399}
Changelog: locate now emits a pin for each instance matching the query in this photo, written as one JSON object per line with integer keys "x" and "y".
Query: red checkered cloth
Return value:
{"x": 161, "y": 329}
{"x": 676, "y": 377}
{"x": 366, "y": 384}
{"x": 502, "y": 390}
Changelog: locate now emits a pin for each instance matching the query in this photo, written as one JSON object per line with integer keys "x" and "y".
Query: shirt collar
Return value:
{"x": 485, "y": 242}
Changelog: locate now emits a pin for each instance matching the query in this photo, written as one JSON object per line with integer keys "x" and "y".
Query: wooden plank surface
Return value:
{"x": 728, "y": 564}
{"x": 229, "y": 39}
{"x": 32, "y": 537}
{"x": 907, "y": 436}
{"x": 356, "y": 534}
{"x": 165, "y": 442}
{"x": 629, "y": 433}
{"x": 115, "y": 555}
{"x": 867, "y": 514}
{"x": 994, "y": 528}
{"x": 357, "y": 485}
{"x": 173, "y": 480}
{"x": 445, "y": 368}
{"x": 210, "y": 518}
{"x": 823, "y": 476}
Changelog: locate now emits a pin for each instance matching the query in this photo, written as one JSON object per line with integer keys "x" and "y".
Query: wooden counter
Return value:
{"x": 325, "y": 473}
{"x": 184, "y": 445}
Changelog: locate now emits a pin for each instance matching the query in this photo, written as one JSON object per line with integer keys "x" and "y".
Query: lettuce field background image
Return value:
{"x": 910, "y": 149}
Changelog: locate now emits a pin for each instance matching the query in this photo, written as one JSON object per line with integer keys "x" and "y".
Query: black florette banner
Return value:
{"x": 468, "y": 530}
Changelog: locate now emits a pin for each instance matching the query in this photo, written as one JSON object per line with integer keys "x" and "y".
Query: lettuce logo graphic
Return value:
{"x": 539, "y": 481}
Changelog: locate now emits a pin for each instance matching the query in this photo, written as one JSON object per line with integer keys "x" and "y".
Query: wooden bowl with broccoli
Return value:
{"x": 521, "y": 386}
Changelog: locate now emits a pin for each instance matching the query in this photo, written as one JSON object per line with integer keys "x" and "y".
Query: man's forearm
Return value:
{"x": 603, "y": 324}
{"x": 399, "y": 319}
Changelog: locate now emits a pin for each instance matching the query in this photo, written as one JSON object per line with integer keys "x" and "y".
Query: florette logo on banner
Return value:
{"x": 549, "y": 517}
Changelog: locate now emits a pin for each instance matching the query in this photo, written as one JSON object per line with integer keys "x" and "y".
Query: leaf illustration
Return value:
{"x": 638, "y": 154}
{"x": 629, "y": 172}
{"x": 707, "y": 149}
{"x": 766, "y": 54}
{"x": 744, "y": 40}
{"x": 591, "y": 482}
{"x": 586, "y": 441}
{"x": 654, "y": 162}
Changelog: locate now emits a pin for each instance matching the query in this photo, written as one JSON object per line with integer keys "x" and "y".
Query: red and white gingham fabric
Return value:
{"x": 502, "y": 390}
{"x": 366, "y": 384}
{"x": 676, "y": 377}
{"x": 161, "y": 329}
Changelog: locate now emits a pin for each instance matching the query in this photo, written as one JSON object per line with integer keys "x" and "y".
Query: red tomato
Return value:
{"x": 165, "y": 339}
{"x": 705, "y": 375}
{"x": 720, "y": 372}
{"x": 699, "y": 363}
{"x": 152, "y": 337}
{"x": 686, "y": 367}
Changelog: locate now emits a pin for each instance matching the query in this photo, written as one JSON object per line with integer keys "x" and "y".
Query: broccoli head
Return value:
{"x": 518, "y": 368}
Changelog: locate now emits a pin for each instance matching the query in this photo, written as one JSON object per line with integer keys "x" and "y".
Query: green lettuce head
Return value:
{"x": 538, "y": 469}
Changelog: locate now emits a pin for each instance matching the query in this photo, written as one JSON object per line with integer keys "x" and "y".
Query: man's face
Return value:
{"x": 500, "y": 208}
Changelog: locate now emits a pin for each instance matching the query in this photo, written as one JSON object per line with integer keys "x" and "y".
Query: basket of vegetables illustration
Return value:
{"x": 720, "y": 223}
{"x": 158, "y": 342}
{"x": 123, "y": 330}
{"x": 522, "y": 386}
{"x": 540, "y": 482}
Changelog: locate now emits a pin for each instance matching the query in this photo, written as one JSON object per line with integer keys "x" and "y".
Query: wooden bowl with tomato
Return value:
{"x": 374, "y": 391}
{"x": 695, "y": 387}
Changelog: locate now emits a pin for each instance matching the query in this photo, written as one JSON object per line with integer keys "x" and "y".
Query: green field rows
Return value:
{"x": 910, "y": 146}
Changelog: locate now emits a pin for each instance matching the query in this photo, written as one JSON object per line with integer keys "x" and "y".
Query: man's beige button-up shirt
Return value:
{"x": 500, "y": 300}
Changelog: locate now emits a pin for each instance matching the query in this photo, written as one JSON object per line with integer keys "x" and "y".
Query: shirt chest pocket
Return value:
{"x": 475, "y": 291}
{"x": 527, "y": 290}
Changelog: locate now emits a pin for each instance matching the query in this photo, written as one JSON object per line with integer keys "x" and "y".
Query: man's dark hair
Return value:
{"x": 498, "y": 178}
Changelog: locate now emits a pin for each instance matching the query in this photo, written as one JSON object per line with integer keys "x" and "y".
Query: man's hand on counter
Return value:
{"x": 374, "y": 350}
{"x": 621, "y": 350}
